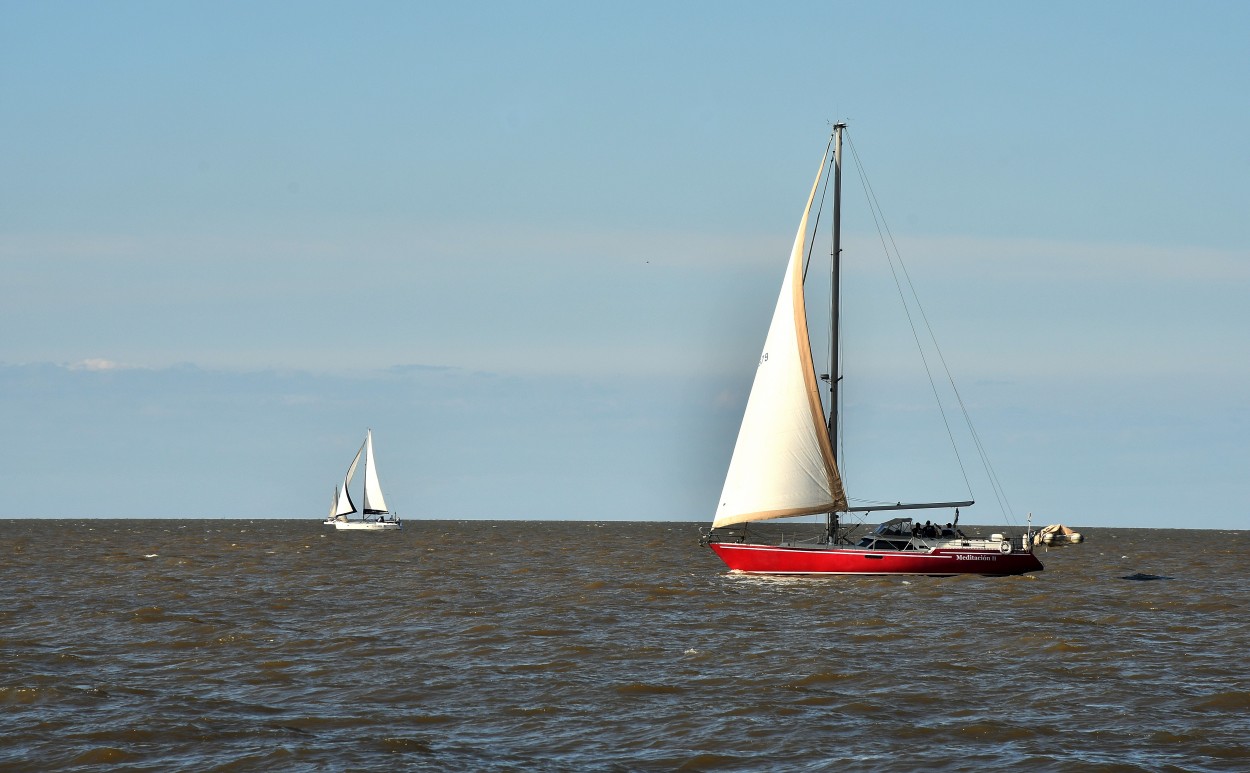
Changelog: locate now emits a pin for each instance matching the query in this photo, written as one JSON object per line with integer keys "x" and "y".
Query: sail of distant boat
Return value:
{"x": 374, "y": 503}
{"x": 346, "y": 506}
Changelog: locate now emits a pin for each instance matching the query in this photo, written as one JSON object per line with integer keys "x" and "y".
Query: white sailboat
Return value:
{"x": 374, "y": 516}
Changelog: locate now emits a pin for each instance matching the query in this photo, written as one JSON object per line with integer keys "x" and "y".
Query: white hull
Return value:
{"x": 368, "y": 525}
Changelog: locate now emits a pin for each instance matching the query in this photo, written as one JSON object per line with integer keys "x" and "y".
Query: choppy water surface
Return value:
{"x": 283, "y": 645}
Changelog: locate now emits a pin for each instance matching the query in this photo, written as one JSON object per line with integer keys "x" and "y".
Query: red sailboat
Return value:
{"x": 784, "y": 463}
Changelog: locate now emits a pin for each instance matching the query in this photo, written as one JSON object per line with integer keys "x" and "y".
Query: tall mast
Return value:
{"x": 835, "y": 271}
{"x": 835, "y": 268}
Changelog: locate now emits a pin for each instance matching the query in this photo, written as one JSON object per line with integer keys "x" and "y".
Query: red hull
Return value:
{"x": 777, "y": 559}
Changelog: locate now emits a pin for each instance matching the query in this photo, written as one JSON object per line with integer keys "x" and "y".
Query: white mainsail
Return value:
{"x": 346, "y": 505}
{"x": 374, "y": 503}
{"x": 783, "y": 462}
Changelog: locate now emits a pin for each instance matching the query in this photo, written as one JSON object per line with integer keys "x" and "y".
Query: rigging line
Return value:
{"x": 820, "y": 209}
{"x": 999, "y": 492}
{"x": 995, "y": 483}
{"x": 882, "y": 229}
{"x": 811, "y": 243}
{"x": 897, "y": 255}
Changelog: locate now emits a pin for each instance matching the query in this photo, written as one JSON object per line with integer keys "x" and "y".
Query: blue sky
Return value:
{"x": 535, "y": 247}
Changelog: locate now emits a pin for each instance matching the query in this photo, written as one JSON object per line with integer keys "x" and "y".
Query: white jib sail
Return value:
{"x": 783, "y": 462}
{"x": 374, "y": 503}
{"x": 346, "y": 505}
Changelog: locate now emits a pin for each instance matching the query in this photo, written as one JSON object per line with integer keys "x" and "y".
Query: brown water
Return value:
{"x": 475, "y": 646}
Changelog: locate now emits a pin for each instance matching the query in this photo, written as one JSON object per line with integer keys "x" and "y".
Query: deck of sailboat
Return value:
{"x": 768, "y": 549}
{"x": 839, "y": 560}
{"x": 394, "y": 525}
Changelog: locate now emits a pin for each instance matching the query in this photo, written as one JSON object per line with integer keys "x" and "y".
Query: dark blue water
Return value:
{"x": 466, "y": 646}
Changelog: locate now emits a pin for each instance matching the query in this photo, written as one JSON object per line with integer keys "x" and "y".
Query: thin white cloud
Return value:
{"x": 95, "y": 364}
